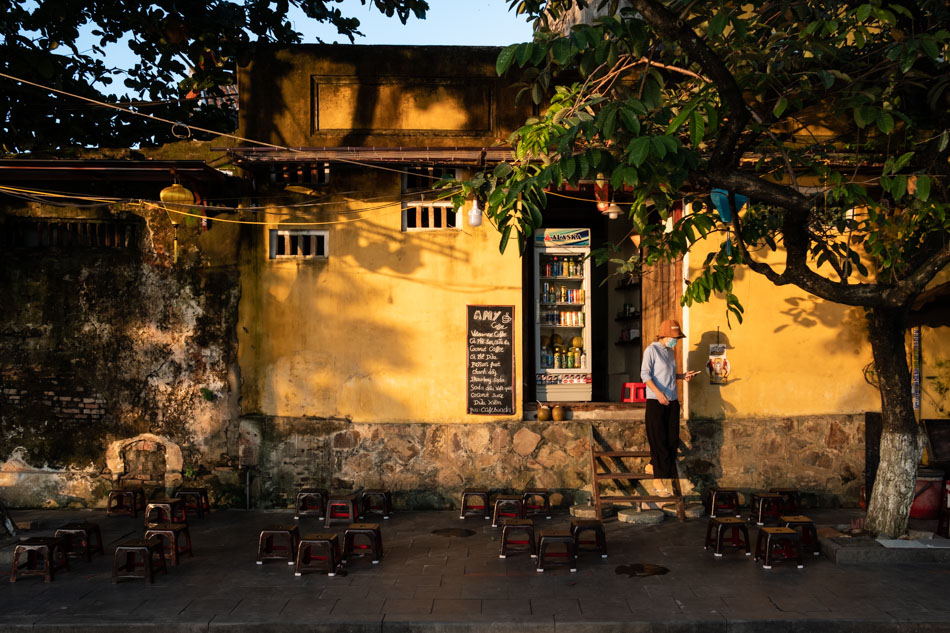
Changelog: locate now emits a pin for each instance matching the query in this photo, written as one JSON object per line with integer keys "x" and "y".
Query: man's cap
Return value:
{"x": 670, "y": 328}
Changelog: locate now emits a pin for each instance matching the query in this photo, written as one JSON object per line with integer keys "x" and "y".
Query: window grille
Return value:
{"x": 69, "y": 233}
{"x": 426, "y": 213}
{"x": 298, "y": 244}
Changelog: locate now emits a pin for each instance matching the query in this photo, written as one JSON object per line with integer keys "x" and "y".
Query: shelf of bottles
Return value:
{"x": 563, "y": 290}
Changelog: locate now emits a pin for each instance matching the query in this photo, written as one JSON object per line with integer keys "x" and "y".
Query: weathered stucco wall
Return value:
{"x": 428, "y": 465}
{"x": 115, "y": 351}
{"x": 376, "y": 331}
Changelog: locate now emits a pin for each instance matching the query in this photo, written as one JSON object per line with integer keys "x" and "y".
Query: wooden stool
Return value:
{"x": 791, "y": 499}
{"x": 311, "y": 502}
{"x": 143, "y": 557}
{"x": 340, "y": 509}
{"x": 369, "y": 531}
{"x": 377, "y": 501}
{"x": 507, "y": 506}
{"x": 81, "y": 539}
{"x": 808, "y": 534}
{"x": 557, "y": 539}
{"x": 168, "y": 511}
{"x": 778, "y": 544}
{"x": 469, "y": 497}
{"x": 535, "y": 501}
{"x": 579, "y": 526}
{"x": 44, "y": 555}
{"x": 722, "y": 502}
{"x": 766, "y": 508}
{"x": 512, "y": 527}
{"x": 194, "y": 499}
{"x": 729, "y": 530}
{"x": 278, "y": 542}
{"x": 328, "y": 560}
{"x": 124, "y": 501}
{"x": 175, "y": 537}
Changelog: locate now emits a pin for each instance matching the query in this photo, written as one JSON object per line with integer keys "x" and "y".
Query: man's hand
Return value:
{"x": 662, "y": 399}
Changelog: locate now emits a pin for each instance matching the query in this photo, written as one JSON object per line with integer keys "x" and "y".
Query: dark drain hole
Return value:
{"x": 456, "y": 532}
{"x": 641, "y": 569}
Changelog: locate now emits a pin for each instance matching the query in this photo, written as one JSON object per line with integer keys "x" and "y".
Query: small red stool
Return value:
{"x": 475, "y": 500}
{"x": 536, "y": 501}
{"x": 512, "y": 527}
{"x": 278, "y": 542}
{"x": 507, "y": 506}
{"x": 580, "y": 526}
{"x": 125, "y": 501}
{"x": 722, "y": 502}
{"x": 808, "y": 534}
{"x": 377, "y": 501}
{"x": 726, "y": 530}
{"x": 634, "y": 392}
{"x": 143, "y": 557}
{"x": 311, "y": 502}
{"x": 766, "y": 508}
{"x": 319, "y": 552}
{"x": 791, "y": 499}
{"x": 195, "y": 499}
{"x": 167, "y": 511}
{"x": 558, "y": 539}
{"x": 44, "y": 555}
{"x": 368, "y": 531}
{"x": 340, "y": 510}
{"x": 778, "y": 544}
{"x": 175, "y": 538}
{"x": 81, "y": 539}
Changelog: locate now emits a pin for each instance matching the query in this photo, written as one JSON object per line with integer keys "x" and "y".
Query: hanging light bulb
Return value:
{"x": 475, "y": 214}
{"x": 613, "y": 211}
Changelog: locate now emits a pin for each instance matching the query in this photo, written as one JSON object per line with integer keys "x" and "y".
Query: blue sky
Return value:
{"x": 461, "y": 22}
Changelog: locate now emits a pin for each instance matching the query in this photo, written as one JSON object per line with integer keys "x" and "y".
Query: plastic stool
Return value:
{"x": 766, "y": 508}
{"x": 808, "y": 535}
{"x": 311, "y": 502}
{"x": 791, "y": 499}
{"x": 722, "y": 502}
{"x": 369, "y": 531}
{"x": 194, "y": 499}
{"x": 469, "y": 498}
{"x": 44, "y": 555}
{"x": 340, "y": 509}
{"x": 168, "y": 510}
{"x": 175, "y": 538}
{"x": 556, "y": 538}
{"x": 778, "y": 544}
{"x": 328, "y": 560}
{"x": 634, "y": 392}
{"x": 536, "y": 501}
{"x": 377, "y": 501}
{"x": 579, "y": 526}
{"x": 509, "y": 506}
{"x": 143, "y": 557}
{"x": 285, "y": 549}
{"x": 81, "y": 539}
{"x": 511, "y": 527}
{"x": 716, "y": 534}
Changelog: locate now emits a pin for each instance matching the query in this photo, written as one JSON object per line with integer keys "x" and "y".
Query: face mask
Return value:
{"x": 671, "y": 343}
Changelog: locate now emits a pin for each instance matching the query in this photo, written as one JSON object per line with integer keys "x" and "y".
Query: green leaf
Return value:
{"x": 523, "y": 53}
{"x": 923, "y": 188}
{"x": 902, "y": 161}
{"x": 639, "y": 149}
{"x": 561, "y": 51}
{"x": 680, "y": 118}
{"x": 658, "y": 146}
{"x": 505, "y": 235}
{"x": 718, "y": 23}
{"x": 630, "y": 120}
{"x": 863, "y": 12}
{"x": 780, "y": 107}
{"x": 697, "y": 129}
{"x": 505, "y": 58}
{"x": 502, "y": 170}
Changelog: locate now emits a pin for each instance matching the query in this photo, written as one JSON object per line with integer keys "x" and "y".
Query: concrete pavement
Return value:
{"x": 429, "y": 582}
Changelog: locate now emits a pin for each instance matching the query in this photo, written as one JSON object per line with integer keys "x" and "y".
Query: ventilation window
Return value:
{"x": 69, "y": 233}
{"x": 425, "y": 216}
{"x": 298, "y": 244}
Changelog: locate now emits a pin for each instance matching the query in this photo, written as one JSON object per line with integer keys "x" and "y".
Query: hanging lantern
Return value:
{"x": 475, "y": 214}
{"x": 177, "y": 194}
{"x": 602, "y": 193}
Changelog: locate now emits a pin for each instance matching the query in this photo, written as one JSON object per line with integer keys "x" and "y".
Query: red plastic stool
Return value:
{"x": 634, "y": 392}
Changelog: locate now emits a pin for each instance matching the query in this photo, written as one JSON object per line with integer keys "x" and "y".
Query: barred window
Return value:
{"x": 427, "y": 213}
{"x": 298, "y": 244}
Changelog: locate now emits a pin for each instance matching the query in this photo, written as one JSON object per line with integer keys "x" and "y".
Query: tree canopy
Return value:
{"x": 831, "y": 118}
{"x": 182, "y": 50}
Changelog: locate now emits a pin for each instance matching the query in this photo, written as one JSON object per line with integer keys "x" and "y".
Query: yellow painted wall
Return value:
{"x": 377, "y": 332}
{"x": 793, "y": 354}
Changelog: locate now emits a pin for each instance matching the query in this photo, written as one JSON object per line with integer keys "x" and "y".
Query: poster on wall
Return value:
{"x": 491, "y": 361}
{"x": 718, "y": 365}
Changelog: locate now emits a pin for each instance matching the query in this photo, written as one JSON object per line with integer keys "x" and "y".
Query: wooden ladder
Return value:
{"x": 623, "y": 477}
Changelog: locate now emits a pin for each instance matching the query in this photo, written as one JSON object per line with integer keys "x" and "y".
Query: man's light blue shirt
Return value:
{"x": 659, "y": 365}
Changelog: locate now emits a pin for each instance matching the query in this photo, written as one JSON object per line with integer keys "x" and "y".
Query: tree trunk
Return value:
{"x": 893, "y": 494}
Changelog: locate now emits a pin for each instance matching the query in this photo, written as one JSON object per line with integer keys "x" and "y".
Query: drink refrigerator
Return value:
{"x": 562, "y": 324}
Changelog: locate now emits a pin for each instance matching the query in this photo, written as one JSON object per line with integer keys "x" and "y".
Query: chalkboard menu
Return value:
{"x": 491, "y": 360}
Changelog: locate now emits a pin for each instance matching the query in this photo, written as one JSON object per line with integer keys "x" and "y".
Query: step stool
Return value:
{"x": 143, "y": 557}
{"x": 778, "y": 544}
{"x": 278, "y": 542}
{"x": 319, "y": 552}
{"x": 368, "y": 531}
{"x": 558, "y": 539}
{"x": 580, "y": 526}
{"x": 167, "y": 511}
{"x": 377, "y": 501}
{"x": 726, "y": 530}
{"x": 340, "y": 509}
{"x": 536, "y": 501}
{"x": 81, "y": 539}
{"x": 125, "y": 501}
{"x": 722, "y": 502}
{"x": 808, "y": 535}
{"x": 507, "y": 506}
{"x": 766, "y": 508}
{"x": 791, "y": 499}
{"x": 469, "y": 498}
{"x": 175, "y": 537}
{"x": 510, "y": 528}
{"x": 44, "y": 555}
{"x": 311, "y": 502}
{"x": 194, "y": 499}
{"x": 634, "y": 392}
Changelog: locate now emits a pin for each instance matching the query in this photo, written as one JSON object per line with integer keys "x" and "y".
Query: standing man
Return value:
{"x": 658, "y": 373}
